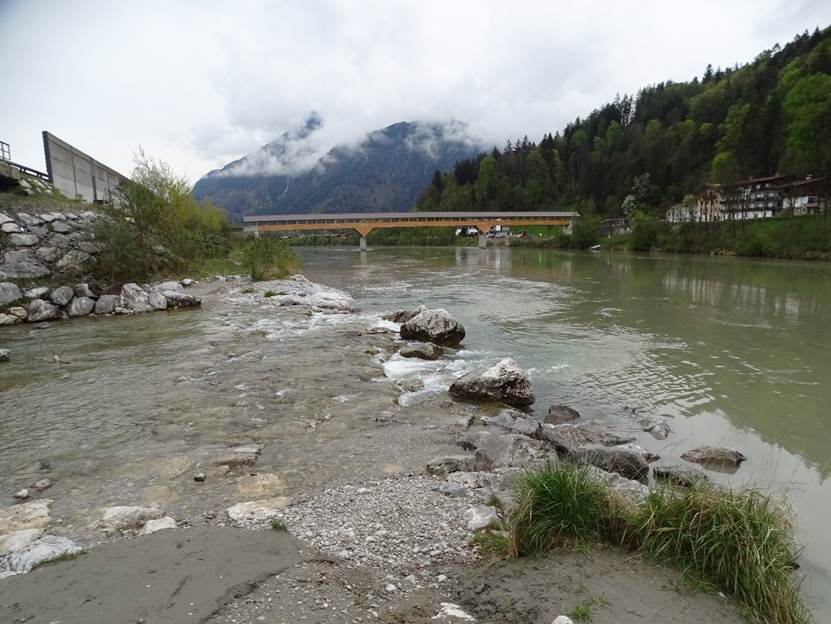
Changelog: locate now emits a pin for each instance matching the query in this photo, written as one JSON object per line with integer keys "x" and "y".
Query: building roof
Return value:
{"x": 806, "y": 182}
{"x": 770, "y": 178}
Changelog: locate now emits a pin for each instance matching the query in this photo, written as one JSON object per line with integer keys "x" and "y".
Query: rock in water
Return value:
{"x": 558, "y": 414}
{"x": 40, "y": 551}
{"x": 157, "y": 300}
{"x": 682, "y": 476}
{"x": 134, "y": 298}
{"x": 435, "y": 326}
{"x": 40, "y": 310}
{"x": 124, "y": 517}
{"x": 426, "y": 351}
{"x": 402, "y": 316}
{"x": 9, "y": 292}
{"x": 628, "y": 463}
{"x": 245, "y": 455}
{"x": 176, "y": 299}
{"x": 81, "y": 306}
{"x": 504, "y": 381}
{"x": 5, "y": 355}
{"x": 714, "y": 455}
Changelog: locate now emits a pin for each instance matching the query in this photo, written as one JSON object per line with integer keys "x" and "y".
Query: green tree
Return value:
{"x": 487, "y": 182}
{"x": 539, "y": 190}
{"x": 808, "y": 110}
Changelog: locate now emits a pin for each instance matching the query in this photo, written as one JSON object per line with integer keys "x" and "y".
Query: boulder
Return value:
{"x": 36, "y": 293}
{"x": 75, "y": 262}
{"x": 504, "y": 381}
{"x": 442, "y": 466}
{"x": 558, "y": 414}
{"x": 81, "y": 306}
{"x": 33, "y": 515}
{"x": 28, "y": 219}
{"x": 22, "y": 263}
{"x": 177, "y": 299}
{"x": 62, "y": 295}
{"x": 40, "y": 310}
{"x": 18, "y": 540}
{"x": 106, "y": 304}
{"x": 425, "y": 351}
{"x": 478, "y": 518}
{"x": 245, "y": 455}
{"x": 134, "y": 298}
{"x": 714, "y": 456}
{"x": 61, "y": 227}
{"x": 4, "y": 218}
{"x": 84, "y": 290}
{"x": 18, "y": 311}
{"x": 187, "y": 282}
{"x": 171, "y": 285}
{"x": 160, "y": 524}
{"x": 568, "y": 437}
{"x": 502, "y": 450}
{"x": 435, "y": 326}
{"x": 9, "y": 319}
{"x": 402, "y": 316}
{"x": 682, "y": 476}
{"x": 157, "y": 300}
{"x": 126, "y": 517}
{"x": 452, "y": 489}
{"x": 40, "y": 551}
{"x": 9, "y": 293}
{"x": 630, "y": 490}
{"x": 658, "y": 427}
{"x": 256, "y": 513}
{"x": 5, "y": 354}
{"x": 625, "y": 462}
{"x": 10, "y": 227}
{"x": 23, "y": 240}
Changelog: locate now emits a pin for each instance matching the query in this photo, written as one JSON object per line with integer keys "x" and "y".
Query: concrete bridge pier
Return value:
{"x": 363, "y": 243}
{"x": 483, "y": 241}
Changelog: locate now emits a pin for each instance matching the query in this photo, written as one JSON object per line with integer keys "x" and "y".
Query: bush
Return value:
{"x": 155, "y": 227}
{"x": 644, "y": 232}
{"x": 266, "y": 257}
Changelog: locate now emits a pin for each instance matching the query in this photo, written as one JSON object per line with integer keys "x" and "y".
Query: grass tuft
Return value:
{"x": 492, "y": 544}
{"x": 582, "y": 612}
{"x": 279, "y": 525}
{"x": 739, "y": 542}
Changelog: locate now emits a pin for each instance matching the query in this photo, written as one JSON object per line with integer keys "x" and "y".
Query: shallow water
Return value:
{"x": 733, "y": 352}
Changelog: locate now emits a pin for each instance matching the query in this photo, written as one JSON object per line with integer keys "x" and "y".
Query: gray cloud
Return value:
{"x": 200, "y": 83}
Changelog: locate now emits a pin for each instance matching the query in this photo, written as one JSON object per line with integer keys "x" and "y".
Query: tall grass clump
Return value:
{"x": 736, "y": 541}
{"x": 740, "y": 542}
{"x": 560, "y": 503}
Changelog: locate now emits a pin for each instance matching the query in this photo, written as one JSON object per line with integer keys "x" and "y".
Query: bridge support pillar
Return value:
{"x": 363, "y": 243}
{"x": 483, "y": 241}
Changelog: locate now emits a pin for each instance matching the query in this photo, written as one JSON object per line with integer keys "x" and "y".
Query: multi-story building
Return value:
{"x": 755, "y": 198}
{"x": 804, "y": 197}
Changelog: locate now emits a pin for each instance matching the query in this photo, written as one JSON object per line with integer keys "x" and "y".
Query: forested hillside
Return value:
{"x": 653, "y": 149}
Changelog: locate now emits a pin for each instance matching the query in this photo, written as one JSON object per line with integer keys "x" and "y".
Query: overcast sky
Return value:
{"x": 198, "y": 83}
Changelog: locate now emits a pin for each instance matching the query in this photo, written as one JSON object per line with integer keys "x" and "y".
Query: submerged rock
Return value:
{"x": 683, "y": 476}
{"x": 425, "y": 351}
{"x": 558, "y": 414}
{"x": 625, "y": 462}
{"x": 714, "y": 455}
{"x": 402, "y": 316}
{"x": 245, "y": 455}
{"x": 40, "y": 551}
{"x": 125, "y": 517}
{"x": 504, "y": 381}
{"x": 435, "y": 326}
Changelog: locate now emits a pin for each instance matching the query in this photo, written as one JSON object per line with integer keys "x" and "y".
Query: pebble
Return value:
{"x": 199, "y": 477}
{"x": 22, "y": 494}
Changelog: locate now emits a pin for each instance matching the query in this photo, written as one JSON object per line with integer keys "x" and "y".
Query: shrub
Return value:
{"x": 266, "y": 257}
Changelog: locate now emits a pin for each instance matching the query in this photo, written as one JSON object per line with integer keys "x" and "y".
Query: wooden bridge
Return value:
{"x": 364, "y": 223}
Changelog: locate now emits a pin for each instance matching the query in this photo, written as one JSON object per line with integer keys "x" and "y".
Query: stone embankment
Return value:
{"x": 47, "y": 244}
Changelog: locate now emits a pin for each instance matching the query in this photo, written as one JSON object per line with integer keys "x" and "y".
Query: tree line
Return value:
{"x": 652, "y": 150}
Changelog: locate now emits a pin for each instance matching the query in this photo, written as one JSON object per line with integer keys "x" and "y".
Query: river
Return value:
{"x": 730, "y": 352}
{"x": 735, "y": 352}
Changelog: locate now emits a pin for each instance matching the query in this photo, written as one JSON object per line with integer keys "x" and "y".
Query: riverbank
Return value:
{"x": 222, "y": 382}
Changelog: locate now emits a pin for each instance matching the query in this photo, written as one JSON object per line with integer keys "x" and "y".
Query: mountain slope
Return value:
{"x": 384, "y": 172}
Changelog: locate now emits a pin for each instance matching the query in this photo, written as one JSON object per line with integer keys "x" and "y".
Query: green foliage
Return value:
{"x": 644, "y": 231}
{"x": 738, "y": 542}
{"x": 770, "y": 115}
{"x": 279, "y": 526}
{"x": 586, "y": 232}
{"x": 492, "y": 544}
{"x": 154, "y": 227}
{"x": 582, "y": 612}
{"x": 266, "y": 257}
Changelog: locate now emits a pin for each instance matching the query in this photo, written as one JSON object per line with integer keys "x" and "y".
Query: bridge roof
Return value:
{"x": 408, "y": 216}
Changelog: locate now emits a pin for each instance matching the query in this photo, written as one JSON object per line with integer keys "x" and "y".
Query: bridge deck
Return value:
{"x": 366, "y": 222}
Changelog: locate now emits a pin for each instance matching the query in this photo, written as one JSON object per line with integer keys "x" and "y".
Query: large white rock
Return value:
{"x": 125, "y": 517}
{"x": 62, "y": 295}
{"x": 157, "y": 300}
{"x": 33, "y": 515}
{"x": 18, "y": 540}
{"x": 40, "y": 551}
{"x": 134, "y": 298}
{"x": 478, "y": 518}
{"x": 257, "y": 513}
{"x": 151, "y": 526}
{"x": 36, "y": 293}
{"x": 504, "y": 381}
{"x": 106, "y": 304}
{"x": 40, "y": 310}
{"x": 161, "y": 287}
{"x": 435, "y": 326}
